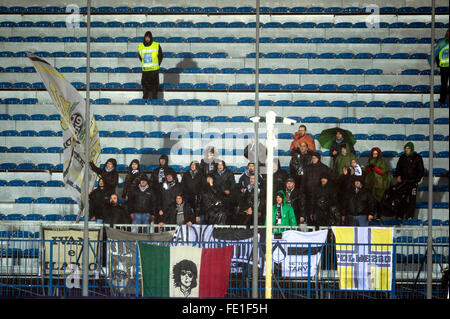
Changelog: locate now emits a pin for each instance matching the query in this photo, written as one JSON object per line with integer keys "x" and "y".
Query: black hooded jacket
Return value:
{"x": 158, "y": 180}
{"x": 313, "y": 174}
{"x": 98, "y": 200}
{"x": 110, "y": 179}
{"x": 131, "y": 180}
{"x": 224, "y": 180}
{"x": 192, "y": 181}
{"x": 359, "y": 202}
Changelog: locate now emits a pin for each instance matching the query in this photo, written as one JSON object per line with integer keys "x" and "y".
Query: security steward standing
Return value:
{"x": 150, "y": 54}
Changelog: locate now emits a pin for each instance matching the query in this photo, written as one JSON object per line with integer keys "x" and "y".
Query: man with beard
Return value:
{"x": 336, "y": 145}
{"x": 300, "y": 161}
{"x": 296, "y": 198}
{"x": 150, "y": 54}
{"x": 191, "y": 184}
{"x": 142, "y": 204}
{"x": 301, "y": 137}
{"x": 115, "y": 213}
{"x": 109, "y": 175}
{"x": 244, "y": 213}
{"x": 409, "y": 170}
{"x": 244, "y": 180}
{"x": 131, "y": 180}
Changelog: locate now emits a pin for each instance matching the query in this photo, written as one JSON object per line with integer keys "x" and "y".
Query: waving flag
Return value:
{"x": 184, "y": 271}
{"x": 72, "y": 108}
{"x": 364, "y": 257}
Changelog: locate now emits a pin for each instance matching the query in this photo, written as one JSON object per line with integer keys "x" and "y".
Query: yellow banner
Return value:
{"x": 364, "y": 257}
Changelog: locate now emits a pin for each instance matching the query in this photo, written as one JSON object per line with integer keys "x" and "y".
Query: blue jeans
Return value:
{"x": 360, "y": 220}
{"x": 141, "y": 219}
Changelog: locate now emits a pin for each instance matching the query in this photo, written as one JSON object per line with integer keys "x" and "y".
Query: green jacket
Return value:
{"x": 378, "y": 178}
{"x": 340, "y": 162}
{"x": 287, "y": 216}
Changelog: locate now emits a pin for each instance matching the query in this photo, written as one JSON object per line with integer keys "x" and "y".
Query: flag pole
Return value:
{"x": 87, "y": 121}
{"x": 256, "y": 192}
{"x": 430, "y": 162}
{"x": 270, "y": 121}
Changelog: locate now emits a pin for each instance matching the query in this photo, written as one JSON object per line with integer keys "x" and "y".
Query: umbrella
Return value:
{"x": 327, "y": 137}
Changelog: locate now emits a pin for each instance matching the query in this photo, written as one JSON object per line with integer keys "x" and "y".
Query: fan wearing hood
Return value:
{"x": 282, "y": 213}
{"x": 359, "y": 204}
{"x": 150, "y": 55}
{"x": 131, "y": 180}
{"x": 158, "y": 175}
{"x": 244, "y": 209}
{"x": 342, "y": 162}
{"x": 377, "y": 174}
{"x": 170, "y": 189}
{"x": 191, "y": 184}
{"x": 410, "y": 170}
{"x": 226, "y": 184}
{"x": 109, "y": 175}
{"x": 98, "y": 200}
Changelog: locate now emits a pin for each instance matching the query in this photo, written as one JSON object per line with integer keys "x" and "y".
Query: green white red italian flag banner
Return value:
{"x": 184, "y": 271}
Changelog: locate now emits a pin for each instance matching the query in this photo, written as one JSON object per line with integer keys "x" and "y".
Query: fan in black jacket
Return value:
{"x": 158, "y": 175}
{"x": 180, "y": 212}
{"x": 131, "y": 180}
{"x": 226, "y": 185}
{"x": 325, "y": 204}
{"x": 211, "y": 205}
{"x": 142, "y": 203}
{"x": 109, "y": 175}
{"x": 244, "y": 210}
{"x": 359, "y": 204}
{"x": 409, "y": 170}
{"x": 116, "y": 213}
{"x": 191, "y": 184}
{"x": 170, "y": 189}
{"x": 98, "y": 200}
{"x": 295, "y": 197}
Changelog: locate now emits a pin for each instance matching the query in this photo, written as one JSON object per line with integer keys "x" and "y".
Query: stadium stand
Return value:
{"x": 327, "y": 71}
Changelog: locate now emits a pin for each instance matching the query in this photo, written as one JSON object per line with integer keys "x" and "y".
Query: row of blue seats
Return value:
{"x": 214, "y": 102}
{"x": 223, "y": 55}
{"x": 205, "y": 24}
{"x": 214, "y": 70}
{"x": 270, "y": 87}
{"x": 189, "y": 151}
{"x": 32, "y": 217}
{"x": 224, "y": 10}
{"x": 125, "y": 168}
{"x": 215, "y": 39}
{"x": 413, "y": 222}
{"x": 221, "y": 118}
{"x": 442, "y": 172}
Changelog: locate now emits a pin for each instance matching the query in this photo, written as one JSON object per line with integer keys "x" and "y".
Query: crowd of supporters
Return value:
{"x": 344, "y": 193}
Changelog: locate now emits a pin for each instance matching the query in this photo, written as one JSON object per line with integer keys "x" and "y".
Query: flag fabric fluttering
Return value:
{"x": 184, "y": 271}
{"x": 71, "y": 107}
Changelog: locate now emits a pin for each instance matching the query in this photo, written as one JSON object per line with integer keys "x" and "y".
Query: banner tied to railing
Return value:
{"x": 364, "y": 257}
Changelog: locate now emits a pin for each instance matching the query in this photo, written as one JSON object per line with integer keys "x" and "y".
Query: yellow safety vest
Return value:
{"x": 443, "y": 57}
{"x": 149, "y": 56}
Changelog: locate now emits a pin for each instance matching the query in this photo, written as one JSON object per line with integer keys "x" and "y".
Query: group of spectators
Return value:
{"x": 344, "y": 193}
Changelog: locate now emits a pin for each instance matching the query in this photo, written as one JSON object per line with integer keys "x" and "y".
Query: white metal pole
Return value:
{"x": 256, "y": 194}
{"x": 270, "y": 120}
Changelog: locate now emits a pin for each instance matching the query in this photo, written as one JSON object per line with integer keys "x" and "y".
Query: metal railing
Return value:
{"x": 37, "y": 267}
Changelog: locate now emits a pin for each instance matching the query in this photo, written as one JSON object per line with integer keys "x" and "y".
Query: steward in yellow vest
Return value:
{"x": 150, "y": 54}
{"x": 441, "y": 57}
